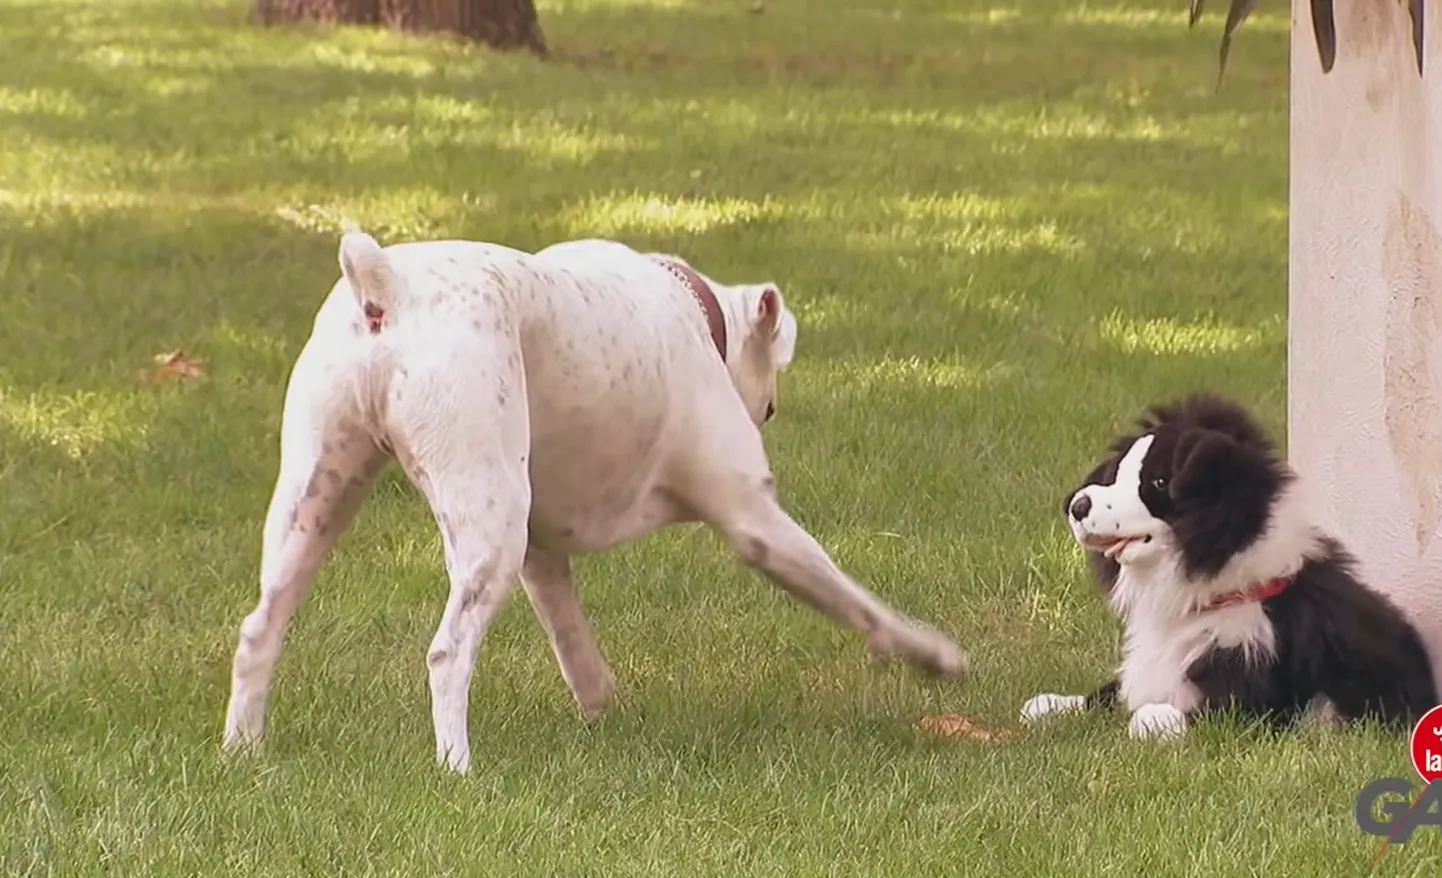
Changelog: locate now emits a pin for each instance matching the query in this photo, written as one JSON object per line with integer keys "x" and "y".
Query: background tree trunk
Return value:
{"x": 1365, "y": 295}
{"x": 502, "y": 24}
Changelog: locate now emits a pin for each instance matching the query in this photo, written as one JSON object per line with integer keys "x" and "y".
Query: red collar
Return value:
{"x": 704, "y": 297}
{"x": 1259, "y": 592}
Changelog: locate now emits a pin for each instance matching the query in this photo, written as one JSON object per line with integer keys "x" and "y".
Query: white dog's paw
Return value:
{"x": 1048, "y": 703}
{"x": 1157, "y": 721}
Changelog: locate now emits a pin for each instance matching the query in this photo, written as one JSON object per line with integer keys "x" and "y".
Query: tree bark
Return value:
{"x": 1365, "y": 294}
{"x": 501, "y": 24}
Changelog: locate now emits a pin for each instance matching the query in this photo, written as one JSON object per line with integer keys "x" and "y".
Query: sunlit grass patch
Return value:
{"x": 1133, "y": 16}
{"x": 50, "y": 102}
{"x": 864, "y": 377}
{"x": 818, "y": 311}
{"x": 1205, "y": 336}
{"x": 991, "y": 17}
{"x": 621, "y": 215}
{"x": 78, "y": 422}
{"x": 395, "y": 215}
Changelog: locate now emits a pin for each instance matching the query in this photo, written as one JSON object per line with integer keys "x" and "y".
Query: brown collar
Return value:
{"x": 704, "y": 297}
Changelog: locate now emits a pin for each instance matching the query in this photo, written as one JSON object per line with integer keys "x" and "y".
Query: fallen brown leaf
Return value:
{"x": 954, "y": 725}
{"x": 175, "y": 364}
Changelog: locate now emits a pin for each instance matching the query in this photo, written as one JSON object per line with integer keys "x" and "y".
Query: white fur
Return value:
{"x": 546, "y": 405}
{"x": 1157, "y": 721}
{"x": 1049, "y": 703}
{"x": 1163, "y": 635}
{"x": 1117, "y": 509}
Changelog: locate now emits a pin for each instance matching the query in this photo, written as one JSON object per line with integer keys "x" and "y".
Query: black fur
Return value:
{"x": 1212, "y": 475}
{"x": 1104, "y": 695}
{"x": 1335, "y": 637}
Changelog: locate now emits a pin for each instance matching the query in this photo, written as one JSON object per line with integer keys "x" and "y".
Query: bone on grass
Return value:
{"x": 954, "y": 725}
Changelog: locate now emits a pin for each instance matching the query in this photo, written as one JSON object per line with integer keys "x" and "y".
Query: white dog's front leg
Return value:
{"x": 1157, "y": 720}
{"x": 770, "y": 540}
{"x": 548, "y": 583}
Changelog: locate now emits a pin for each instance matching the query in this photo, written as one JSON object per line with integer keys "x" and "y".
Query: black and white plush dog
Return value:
{"x": 1230, "y": 597}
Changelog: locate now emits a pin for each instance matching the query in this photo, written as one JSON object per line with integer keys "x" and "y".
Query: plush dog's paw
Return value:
{"x": 1157, "y": 721}
{"x": 1049, "y": 703}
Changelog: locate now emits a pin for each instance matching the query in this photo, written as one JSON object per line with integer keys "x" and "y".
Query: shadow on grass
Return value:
{"x": 435, "y": 115}
{"x": 424, "y": 138}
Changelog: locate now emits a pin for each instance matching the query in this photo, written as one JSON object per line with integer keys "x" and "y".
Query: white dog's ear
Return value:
{"x": 770, "y": 319}
{"x": 785, "y": 345}
{"x": 767, "y": 310}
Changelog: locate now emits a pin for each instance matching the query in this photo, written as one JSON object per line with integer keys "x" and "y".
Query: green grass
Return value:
{"x": 1004, "y": 229}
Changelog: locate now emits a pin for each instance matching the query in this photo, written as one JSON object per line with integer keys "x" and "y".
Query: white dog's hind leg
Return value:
{"x": 328, "y": 464}
{"x": 548, "y": 583}
{"x": 465, "y": 444}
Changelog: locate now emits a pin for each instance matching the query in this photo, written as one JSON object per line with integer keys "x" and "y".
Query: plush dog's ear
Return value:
{"x": 1204, "y": 463}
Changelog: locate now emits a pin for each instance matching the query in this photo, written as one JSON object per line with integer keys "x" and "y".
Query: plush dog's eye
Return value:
{"x": 1159, "y": 483}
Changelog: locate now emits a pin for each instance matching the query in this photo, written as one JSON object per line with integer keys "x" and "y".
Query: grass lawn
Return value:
{"x": 1004, "y": 229}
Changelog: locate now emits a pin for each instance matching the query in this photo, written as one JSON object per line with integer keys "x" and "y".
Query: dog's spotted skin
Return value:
{"x": 546, "y": 405}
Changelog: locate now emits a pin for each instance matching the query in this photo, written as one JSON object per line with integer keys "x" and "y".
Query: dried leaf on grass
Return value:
{"x": 954, "y": 725}
{"x": 175, "y": 364}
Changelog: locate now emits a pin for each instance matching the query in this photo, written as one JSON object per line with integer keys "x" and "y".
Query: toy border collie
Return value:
{"x": 1231, "y": 599}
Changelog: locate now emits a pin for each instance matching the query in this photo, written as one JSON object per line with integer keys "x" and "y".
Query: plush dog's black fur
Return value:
{"x": 1213, "y": 476}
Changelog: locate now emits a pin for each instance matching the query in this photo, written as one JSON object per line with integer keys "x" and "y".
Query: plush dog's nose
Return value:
{"x": 1080, "y": 507}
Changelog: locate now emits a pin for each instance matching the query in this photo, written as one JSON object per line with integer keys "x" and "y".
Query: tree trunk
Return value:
{"x": 1365, "y": 294}
{"x": 501, "y": 24}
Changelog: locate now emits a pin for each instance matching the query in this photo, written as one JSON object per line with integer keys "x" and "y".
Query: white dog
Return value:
{"x": 546, "y": 405}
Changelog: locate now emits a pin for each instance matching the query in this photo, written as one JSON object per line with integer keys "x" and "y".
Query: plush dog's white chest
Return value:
{"x": 1160, "y": 643}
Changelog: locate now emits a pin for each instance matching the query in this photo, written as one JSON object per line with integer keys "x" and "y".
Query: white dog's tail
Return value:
{"x": 366, "y": 268}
